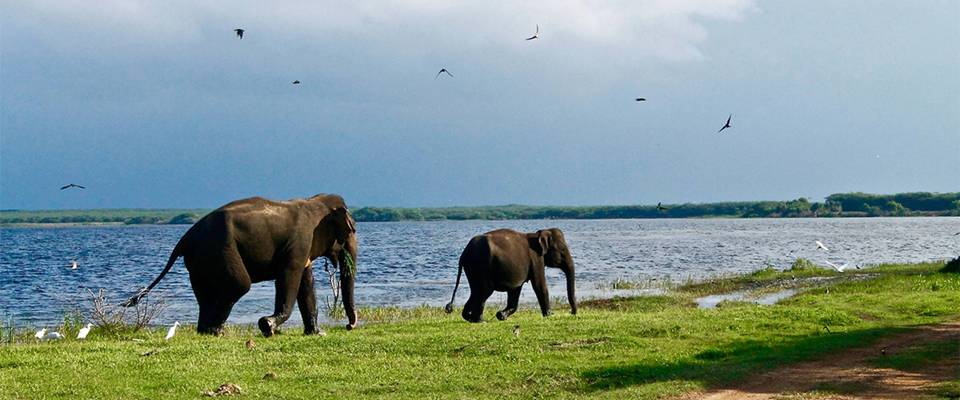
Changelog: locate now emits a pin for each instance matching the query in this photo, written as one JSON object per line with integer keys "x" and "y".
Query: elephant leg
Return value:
{"x": 307, "y": 303}
{"x": 539, "y": 284}
{"x": 513, "y": 299}
{"x": 217, "y": 287}
{"x": 287, "y": 285}
{"x": 473, "y": 310}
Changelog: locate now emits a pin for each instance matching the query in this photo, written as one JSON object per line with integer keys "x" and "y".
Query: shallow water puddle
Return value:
{"x": 744, "y": 295}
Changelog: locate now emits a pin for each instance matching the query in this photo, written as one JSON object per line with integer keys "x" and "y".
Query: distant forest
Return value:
{"x": 836, "y": 205}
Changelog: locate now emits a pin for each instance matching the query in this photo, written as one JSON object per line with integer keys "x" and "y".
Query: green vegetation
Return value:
{"x": 129, "y": 216}
{"x": 643, "y": 347}
{"x": 836, "y": 205}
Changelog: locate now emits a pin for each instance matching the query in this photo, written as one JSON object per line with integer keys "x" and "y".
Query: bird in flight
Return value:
{"x": 820, "y": 245}
{"x": 296, "y": 82}
{"x": 660, "y": 207}
{"x": 239, "y": 32}
{"x": 839, "y": 268}
{"x": 443, "y": 71}
{"x": 727, "y": 125}
{"x": 641, "y": 99}
{"x": 72, "y": 185}
{"x": 74, "y": 264}
{"x": 536, "y": 34}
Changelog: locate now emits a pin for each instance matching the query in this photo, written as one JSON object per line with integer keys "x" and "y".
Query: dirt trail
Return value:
{"x": 852, "y": 371}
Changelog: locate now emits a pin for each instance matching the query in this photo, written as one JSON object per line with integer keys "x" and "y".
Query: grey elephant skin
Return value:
{"x": 254, "y": 240}
{"x": 503, "y": 260}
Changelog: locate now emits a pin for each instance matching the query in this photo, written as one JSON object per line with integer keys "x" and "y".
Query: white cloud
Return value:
{"x": 668, "y": 30}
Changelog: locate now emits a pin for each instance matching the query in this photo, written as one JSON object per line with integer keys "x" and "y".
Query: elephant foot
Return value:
{"x": 314, "y": 331}
{"x": 268, "y": 326}
{"x": 207, "y": 330}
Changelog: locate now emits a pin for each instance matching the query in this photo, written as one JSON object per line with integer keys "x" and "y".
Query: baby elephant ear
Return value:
{"x": 539, "y": 241}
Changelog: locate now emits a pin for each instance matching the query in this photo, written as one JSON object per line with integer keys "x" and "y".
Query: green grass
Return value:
{"x": 645, "y": 347}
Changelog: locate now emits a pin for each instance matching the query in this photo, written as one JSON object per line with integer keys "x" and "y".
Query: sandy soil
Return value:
{"x": 851, "y": 372}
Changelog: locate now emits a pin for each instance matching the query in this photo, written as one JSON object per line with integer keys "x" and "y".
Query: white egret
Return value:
{"x": 84, "y": 332}
{"x": 172, "y": 331}
{"x": 821, "y": 246}
{"x": 53, "y": 336}
{"x": 39, "y": 335}
{"x": 839, "y": 268}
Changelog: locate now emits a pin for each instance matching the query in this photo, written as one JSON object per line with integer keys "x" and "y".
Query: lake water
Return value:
{"x": 413, "y": 263}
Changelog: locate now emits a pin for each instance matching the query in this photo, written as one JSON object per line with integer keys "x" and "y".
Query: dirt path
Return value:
{"x": 851, "y": 372}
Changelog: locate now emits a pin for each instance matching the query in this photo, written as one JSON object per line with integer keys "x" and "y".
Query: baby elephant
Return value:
{"x": 503, "y": 260}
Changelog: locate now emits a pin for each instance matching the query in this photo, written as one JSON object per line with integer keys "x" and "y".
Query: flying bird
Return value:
{"x": 727, "y": 125}
{"x": 839, "y": 268}
{"x": 84, "y": 332}
{"x": 39, "y": 335}
{"x": 296, "y": 82}
{"x": 821, "y": 246}
{"x": 443, "y": 71}
{"x": 172, "y": 331}
{"x": 660, "y": 207}
{"x": 536, "y": 34}
{"x": 239, "y": 32}
{"x": 74, "y": 264}
{"x": 72, "y": 185}
{"x": 641, "y": 99}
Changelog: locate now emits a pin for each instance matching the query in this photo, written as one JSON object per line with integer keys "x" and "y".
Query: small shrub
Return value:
{"x": 111, "y": 317}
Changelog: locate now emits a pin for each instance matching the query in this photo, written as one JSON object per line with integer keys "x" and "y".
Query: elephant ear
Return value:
{"x": 539, "y": 241}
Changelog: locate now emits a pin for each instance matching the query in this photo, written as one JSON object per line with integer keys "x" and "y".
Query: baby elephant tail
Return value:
{"x": 449, "y": 306}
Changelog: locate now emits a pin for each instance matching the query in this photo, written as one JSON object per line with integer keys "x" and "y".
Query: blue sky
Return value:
{"x": 157, "y": 104}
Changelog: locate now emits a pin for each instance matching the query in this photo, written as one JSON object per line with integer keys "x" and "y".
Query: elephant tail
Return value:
{"x": 174, "y": 255}
{"x": 449, "y": 307}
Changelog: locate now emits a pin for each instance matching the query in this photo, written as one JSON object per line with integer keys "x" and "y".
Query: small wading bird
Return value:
{"x": 660, "y": 207}
{"x": 536, "y": 34}
{"x": 172, "y": 331}
{"x": 84, "y": 332}
{"x": 250, "y": 344}
{"x": 820, "y": 246}
{"x": 72, "y": 185}
{"x": 52, "y": 336}
{"x": 839, "y": 268}
{"x": 443, "y": 71}
{"x": 239, "y": 32}
{"x": 641, "y": 99}
{"x": 727, "y": 125}
{"x": 516, "y": 330}
{"x": 39, "y": 335}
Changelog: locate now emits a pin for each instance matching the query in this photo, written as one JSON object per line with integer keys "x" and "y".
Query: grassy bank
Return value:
{"x": 644, "y": 347}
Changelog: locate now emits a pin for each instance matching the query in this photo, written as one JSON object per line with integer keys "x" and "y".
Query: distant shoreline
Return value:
{"x": 841, "y": 205}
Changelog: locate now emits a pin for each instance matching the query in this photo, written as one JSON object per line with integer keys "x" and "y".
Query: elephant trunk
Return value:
{"x": 571, "y": 284}
{"x": 348, "y": 276}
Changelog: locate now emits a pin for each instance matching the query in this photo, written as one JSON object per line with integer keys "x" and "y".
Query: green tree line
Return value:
{"x": 836, "y": 205}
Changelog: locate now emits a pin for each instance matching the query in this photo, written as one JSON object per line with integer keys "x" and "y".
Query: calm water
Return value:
{"x": 412, "y": 263}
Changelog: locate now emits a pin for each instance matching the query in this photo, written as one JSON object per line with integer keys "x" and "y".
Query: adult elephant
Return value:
{"x": 256, "y": 239}
{"x": 502, "y": 260}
